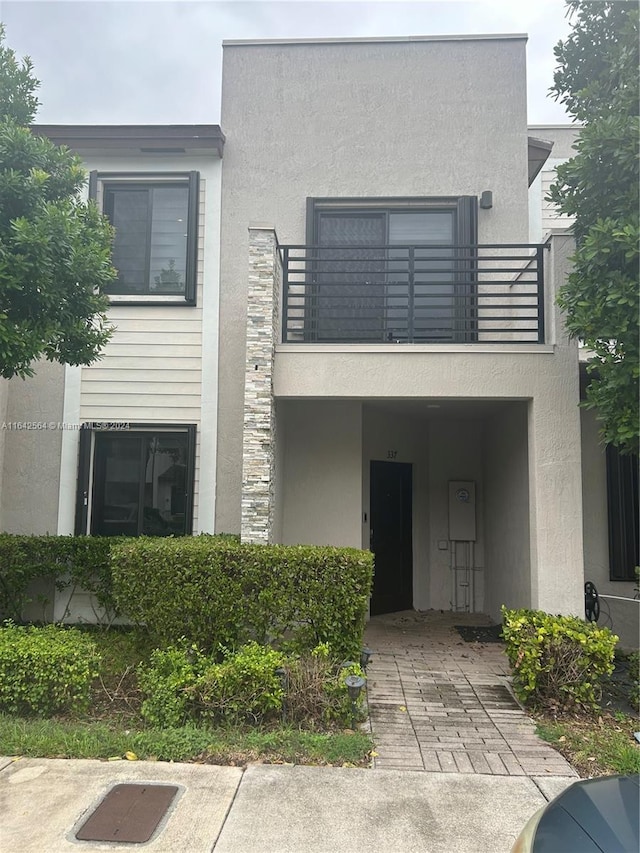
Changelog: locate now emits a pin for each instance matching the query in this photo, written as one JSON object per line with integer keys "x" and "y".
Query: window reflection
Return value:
{"x": 140, "y": 484}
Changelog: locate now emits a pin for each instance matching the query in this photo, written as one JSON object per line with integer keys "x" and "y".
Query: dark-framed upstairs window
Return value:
{"x": 624, "y": 511}
{"x": 136, "y": 481}
{"x": 392, "y": 269}
{"x": 155, "y": 218}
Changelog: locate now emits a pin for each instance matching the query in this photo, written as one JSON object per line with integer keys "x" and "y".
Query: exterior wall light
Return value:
{"x": 486, "y": 200}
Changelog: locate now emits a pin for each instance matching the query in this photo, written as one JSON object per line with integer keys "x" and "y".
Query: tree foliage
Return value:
{"x": 597, "y": 79}
{"x": 55, "y": 249}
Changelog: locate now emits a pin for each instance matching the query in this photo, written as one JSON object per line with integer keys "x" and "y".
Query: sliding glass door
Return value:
{"x": 392, "y": 273}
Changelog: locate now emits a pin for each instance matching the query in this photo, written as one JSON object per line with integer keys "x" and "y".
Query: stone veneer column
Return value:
{"x": 258, "y": 442}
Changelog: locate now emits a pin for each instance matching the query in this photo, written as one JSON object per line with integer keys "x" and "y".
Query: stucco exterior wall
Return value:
{"x": 321, "y": 472}
{"x": 623, "y": 617}
{"x": 455, "y": 453}
{"x": 555, "y": 477}
{"x": 278, "y": 480}
{"x": 405, "y": 373}
{"x": 506, "y": 470}
{"x": 31, "y": 478}
{"x": 357, "y": 119}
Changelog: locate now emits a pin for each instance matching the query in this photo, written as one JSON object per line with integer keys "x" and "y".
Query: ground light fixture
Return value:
{"x": 283, "y": 675}
{"x": 354, "y": 683}
{"x": 365, "y": 657}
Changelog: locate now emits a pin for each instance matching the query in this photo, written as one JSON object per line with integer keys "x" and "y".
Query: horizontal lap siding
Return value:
{"x": 551, "y": 218}
{"x": 151, "y": 369}
{"x": 152, "y": 364}
{"x": 147, "y": 375}
{"x": 144, "y": 386}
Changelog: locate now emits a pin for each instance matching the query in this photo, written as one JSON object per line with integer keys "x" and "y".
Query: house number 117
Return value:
{"x": 391, "y": 454}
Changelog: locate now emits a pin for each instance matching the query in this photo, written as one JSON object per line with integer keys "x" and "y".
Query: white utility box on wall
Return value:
{"x": 462, "y": 511}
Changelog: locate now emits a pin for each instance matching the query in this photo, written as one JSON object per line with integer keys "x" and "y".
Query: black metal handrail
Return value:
{"x": 489, "y": 293}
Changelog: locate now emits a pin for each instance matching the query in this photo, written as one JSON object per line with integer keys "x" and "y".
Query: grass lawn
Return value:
{"x": 113, "y": 728}
{"x": 602, "y": 743}
{"x": 596, "y": 745}
{"x": 39, "y": 738}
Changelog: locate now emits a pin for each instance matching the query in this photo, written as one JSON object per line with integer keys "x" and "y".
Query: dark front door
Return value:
{"x": 390, "y": 514}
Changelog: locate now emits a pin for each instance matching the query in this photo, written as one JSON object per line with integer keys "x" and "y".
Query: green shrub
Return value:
{"x": 181, "y": 685}
{"x": 166, "y": 683}
{"x": 243, "y": 687}
{"x": 69, "y": 561}
{"x": 557, "y": 661}
{"x": 216, "y": 591}
{"x": 316, "y": 692}
{"x": 45, "y": 671}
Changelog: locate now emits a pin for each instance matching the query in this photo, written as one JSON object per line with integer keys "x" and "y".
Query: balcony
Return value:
{"x": 413, "y": 294}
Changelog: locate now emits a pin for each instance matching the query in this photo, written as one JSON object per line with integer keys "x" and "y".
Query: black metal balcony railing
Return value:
{"x": 413, "y": 294}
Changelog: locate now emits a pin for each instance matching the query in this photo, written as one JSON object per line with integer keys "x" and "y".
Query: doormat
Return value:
{"x": 480, "y": 633}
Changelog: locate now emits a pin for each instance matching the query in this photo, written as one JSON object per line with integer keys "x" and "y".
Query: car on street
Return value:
{"x": 599, "y": 815}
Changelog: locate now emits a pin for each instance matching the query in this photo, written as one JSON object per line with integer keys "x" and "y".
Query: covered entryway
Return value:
{"x": 380, "y": 474}
{"x": 468, "y": 456}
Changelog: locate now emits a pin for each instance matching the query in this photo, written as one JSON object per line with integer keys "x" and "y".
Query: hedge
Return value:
{"x": 46, "y": 670}
{"x": 211, "y": 591}
{"x": 68, "y": 561}
{"x": 558, "y": 662}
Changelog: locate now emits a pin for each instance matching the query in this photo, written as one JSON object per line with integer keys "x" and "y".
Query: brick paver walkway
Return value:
{"x": 438, "y": 703}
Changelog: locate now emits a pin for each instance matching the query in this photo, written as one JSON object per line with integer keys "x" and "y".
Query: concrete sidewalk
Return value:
{"x": 273, "y": 809}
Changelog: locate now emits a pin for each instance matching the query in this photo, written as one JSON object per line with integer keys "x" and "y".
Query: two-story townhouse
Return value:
{"x": 127, "y": 445}
{"x": 405, "y": 382}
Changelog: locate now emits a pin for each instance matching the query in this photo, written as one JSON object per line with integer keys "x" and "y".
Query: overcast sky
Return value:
{"x": 151, "y": 62}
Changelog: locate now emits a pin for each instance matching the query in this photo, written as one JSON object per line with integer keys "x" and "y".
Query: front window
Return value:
{"x": 139, "y": 482}
{"x": 155, "y": 244}
{"x": 623, "y": 511}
